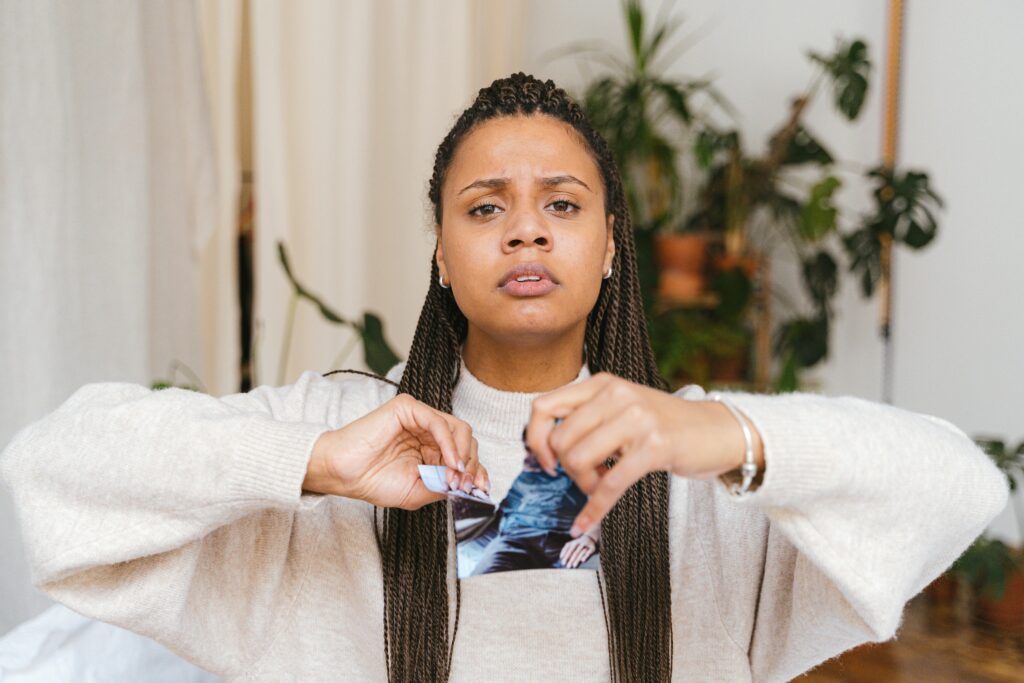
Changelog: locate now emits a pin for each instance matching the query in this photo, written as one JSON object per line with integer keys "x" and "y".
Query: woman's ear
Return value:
{"x": 439, "y": 255}
{"x": 610, "y": 252}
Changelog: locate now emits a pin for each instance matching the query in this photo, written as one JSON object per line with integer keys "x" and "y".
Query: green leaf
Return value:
{"x": 378, "y": 354}
{"x": 160, "y": 384}
{"x": 710, "y": 142}
{"x": 788, "y": 379}
{"x": 904, "y": 206}
{"x": 734, "y": 290}
{"x": 848, "y": 68}
{"x": 864, "y": 250}
{"x": 676, "y": 99}
{"x": 635, "y": 22}
{"x": 327, "y": 312}
{"x": 819, "y": 214}
{"x": 282, "y": 256}
{"x": 804, "y": 148}
{"x": 821, "y": 275}
{"x": 805, "y": 338}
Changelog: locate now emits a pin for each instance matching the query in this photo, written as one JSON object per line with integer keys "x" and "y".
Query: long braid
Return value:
{"x": 416, "y": 554}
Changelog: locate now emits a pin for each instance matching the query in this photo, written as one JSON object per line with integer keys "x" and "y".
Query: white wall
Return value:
{"x": 958, "y": 323}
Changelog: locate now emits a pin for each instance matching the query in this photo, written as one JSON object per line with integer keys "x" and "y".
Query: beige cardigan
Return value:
{"x": 180, "y": 516}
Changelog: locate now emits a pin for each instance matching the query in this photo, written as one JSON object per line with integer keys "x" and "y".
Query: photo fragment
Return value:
{"x": 528, "y": 529}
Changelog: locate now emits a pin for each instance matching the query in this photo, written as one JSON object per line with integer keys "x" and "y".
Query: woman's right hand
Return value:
{"x": 375, "y": 458}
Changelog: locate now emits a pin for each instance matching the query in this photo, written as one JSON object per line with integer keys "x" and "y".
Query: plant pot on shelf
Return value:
{"x": 1006, "y": 612}
{"x": 731, "y": 368}
{"x": 682, "y": 262}
{"x": 943, "y": 590}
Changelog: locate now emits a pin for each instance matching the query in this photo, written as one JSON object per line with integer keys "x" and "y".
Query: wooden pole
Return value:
{"x": 890, "y": 131}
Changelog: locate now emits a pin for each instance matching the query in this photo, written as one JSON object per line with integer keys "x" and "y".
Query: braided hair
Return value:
{"x": 420, "y": 621}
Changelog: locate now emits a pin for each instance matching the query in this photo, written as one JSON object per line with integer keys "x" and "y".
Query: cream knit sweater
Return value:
{"x": 180, "y": 516}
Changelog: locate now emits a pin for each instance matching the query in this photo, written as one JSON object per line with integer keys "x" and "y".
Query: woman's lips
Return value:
{"x": 528, "y": 288}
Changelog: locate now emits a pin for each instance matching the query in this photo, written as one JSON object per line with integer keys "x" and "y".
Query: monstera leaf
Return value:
{"x": 905, "y": 206}
{"x": 904, "y": 210}
{"x": 804, "y": 148}
{"x": 820, "y": 212}
{"x": 821, "y": 276}
{"x": 800, "y": 343}
{"x": 849, "y": 68}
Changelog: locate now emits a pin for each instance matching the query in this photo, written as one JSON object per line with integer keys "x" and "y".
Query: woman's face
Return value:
{"x": 524, "y": 191}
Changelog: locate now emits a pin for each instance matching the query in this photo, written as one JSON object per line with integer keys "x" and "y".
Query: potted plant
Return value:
{"x": 647, "y": 118}
{"x": 702, "y": 205}
{"x": 993, "y": 569}
{"x": 698, "y": 348}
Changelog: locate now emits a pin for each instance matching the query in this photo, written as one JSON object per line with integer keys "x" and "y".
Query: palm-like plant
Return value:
{"x": 647, "y": 118}
{"x": 645, "y": 115}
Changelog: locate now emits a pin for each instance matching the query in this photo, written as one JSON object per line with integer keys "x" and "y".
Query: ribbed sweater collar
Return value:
{"x": 493, "y": 412}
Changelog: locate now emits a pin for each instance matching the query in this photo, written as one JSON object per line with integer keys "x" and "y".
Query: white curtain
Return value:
{"x": 351, "y": 101}
{"x": 106, "y": 197}
{"x": 119, "y": 178}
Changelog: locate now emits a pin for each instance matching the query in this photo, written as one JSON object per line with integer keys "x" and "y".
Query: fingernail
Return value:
{"x": 462, "y": 466}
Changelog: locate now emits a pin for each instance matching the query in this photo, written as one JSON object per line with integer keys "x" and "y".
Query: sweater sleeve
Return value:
{"x": 173, "y": 513}
{"x": 866, "y": 504}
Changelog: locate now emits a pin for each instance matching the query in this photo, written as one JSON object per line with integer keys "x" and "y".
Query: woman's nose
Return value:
{"x": 528, "y": 227}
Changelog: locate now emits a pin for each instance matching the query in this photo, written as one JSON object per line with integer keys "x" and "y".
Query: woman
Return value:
{"x": 240, "y": 531}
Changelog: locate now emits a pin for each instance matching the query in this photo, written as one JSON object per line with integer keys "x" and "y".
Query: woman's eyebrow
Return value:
{"x": 497, "y": 183}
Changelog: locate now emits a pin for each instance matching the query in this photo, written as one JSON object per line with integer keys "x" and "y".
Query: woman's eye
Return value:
{"x": 483, "y": 210}
{"x": 562, "y": 206}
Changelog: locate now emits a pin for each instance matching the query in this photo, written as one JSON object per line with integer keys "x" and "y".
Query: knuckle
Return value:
{"x": 614, "y": 480}
{"x": 635, "y": 412}
{"x": 622, "y": 389}
{"x": 570, "y": 459}
{"x": 557, "y": 440}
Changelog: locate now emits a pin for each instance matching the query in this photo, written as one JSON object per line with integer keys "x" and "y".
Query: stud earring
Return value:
{"x": 609, "y": 273}
{"x": 440, "y": 281}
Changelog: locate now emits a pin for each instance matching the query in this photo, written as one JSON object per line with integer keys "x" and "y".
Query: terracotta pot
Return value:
{"x": 749, "y": 264}
{"x": 731, "y": 368}
{"x": 942, "y": 591}
{"x": 1007, "y": 612}
{"x": 682, "y": 260}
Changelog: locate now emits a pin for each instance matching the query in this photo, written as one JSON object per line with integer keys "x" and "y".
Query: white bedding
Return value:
{"x": 61, "y": 645}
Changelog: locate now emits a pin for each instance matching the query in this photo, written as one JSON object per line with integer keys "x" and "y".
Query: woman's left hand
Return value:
{"x": 645, "y": 429}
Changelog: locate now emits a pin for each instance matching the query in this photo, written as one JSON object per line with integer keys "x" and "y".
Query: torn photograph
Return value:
{"x": 528, "y": 529}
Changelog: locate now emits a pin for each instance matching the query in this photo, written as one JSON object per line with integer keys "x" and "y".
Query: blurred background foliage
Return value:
{"x": 708, "y": 213}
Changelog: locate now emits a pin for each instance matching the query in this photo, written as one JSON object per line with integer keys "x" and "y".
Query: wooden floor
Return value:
{"x": 935, "y": 644}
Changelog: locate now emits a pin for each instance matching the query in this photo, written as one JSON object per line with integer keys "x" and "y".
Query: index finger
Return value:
{"x": 557, "y": 404}
{"x": 440, "y": 428}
